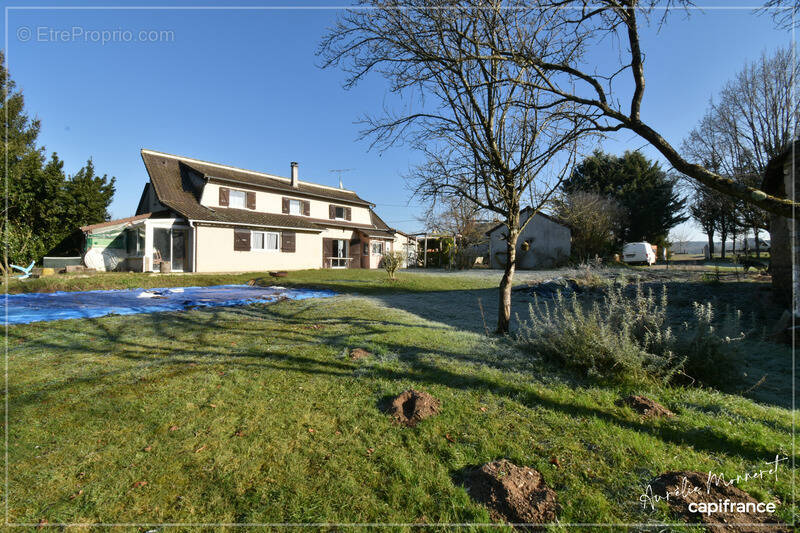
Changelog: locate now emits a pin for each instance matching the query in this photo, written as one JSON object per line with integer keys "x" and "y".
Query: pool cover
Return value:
{"x": 42, "y": 307}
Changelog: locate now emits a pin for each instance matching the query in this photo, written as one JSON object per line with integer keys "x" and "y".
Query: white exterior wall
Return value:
{"x": 215, "y": 253}
{"x": 168, "y": 223}
{"x": 549, "y": 245}
{"x": 271, "y": 202}
{"x": 375, "y": 259}
{"x": 407, "y": 246}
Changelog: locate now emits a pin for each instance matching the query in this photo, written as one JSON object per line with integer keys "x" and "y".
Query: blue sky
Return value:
{"x": 242, "y": 87}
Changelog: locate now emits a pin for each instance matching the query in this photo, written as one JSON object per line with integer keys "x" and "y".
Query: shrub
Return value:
{"x": 392, "y": 261}
{"x": 706, "y": 347}
{"x": 624, "y": 339}
{"x": 464, "y": 258}
{"x": 616, "y": 339}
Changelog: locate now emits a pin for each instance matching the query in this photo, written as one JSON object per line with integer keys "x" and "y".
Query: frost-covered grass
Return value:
{"x": 254, "y": 414}
{"x": 352, "y": 280}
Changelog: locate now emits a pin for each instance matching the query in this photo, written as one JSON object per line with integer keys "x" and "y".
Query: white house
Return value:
{"x": 544, "y": 242}
{"x": 198, "y": 216}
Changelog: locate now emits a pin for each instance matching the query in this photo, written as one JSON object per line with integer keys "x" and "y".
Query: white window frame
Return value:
{"x": 336, "y": 210}
{"x": 237, "y": 192}
{"x": 378, "y": 243}
{"x": 299, "y": 204}
{"x": 341, "y": 261}
{"x": 265, "y": 233}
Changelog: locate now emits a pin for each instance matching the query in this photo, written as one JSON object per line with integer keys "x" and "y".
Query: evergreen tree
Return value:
{"x": 646, "y": 193}
{"x": 42, "y": 206}
{"x": 87, "y": 196}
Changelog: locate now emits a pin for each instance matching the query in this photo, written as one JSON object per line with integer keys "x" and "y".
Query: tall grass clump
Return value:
{"x": 626, "y": 338}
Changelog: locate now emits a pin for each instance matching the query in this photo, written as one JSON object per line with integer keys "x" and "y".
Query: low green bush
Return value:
{"x": 391, "y": 261}
{"x": 627, "y": 338}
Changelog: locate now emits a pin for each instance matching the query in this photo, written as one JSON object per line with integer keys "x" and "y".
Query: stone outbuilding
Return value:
{"x": 544, "y": 242}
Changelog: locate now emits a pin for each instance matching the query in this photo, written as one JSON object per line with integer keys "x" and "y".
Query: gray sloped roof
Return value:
{"x": 178, "y": 184}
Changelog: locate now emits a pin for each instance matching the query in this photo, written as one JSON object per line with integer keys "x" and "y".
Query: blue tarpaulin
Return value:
{"x": 43, "y": 307}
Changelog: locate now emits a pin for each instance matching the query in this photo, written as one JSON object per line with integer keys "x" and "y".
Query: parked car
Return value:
{"x": 638, "y": 252}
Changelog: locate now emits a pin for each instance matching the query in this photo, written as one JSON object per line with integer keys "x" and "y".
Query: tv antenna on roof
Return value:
{"x": 340, "y": 171}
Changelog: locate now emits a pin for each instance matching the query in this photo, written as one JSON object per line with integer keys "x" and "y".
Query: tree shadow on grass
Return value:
{"x": 193, "y": 342}
{"x": 762, "y": 370}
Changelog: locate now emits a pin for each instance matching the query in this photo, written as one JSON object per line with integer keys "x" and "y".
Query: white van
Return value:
{"x": 638, "y": 252}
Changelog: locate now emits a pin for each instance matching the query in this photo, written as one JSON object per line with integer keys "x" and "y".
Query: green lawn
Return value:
{"x": 355, "y": 280}
{"x": 255, "y": 415}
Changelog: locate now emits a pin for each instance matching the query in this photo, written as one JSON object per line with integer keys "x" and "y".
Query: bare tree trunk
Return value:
{"x": 504, "y": 310}
{"x": 723, "y": 238}
{"x": 711, "y": 245}
{"x": 755, "y": 239}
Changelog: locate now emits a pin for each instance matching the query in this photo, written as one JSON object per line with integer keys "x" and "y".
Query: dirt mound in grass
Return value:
{"x": 646, "y": 407}
{"x": 359, "y": 353}
{"x": 412, "y": 406}
{"x": 514, "y": 494}
{"x": 682, "y": 488}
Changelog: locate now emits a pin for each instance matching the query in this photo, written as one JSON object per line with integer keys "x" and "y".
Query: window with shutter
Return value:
{"x": 327, "y": 252}
{"x": 251, "y": 200}
{"x": 348, "y": 213}
{"x": 241, "y": 240}
{"x": 306, "y": 208}
{"x": 266, "y": 241}
{"x": 332, "y": 211}
{"x": 288, "y": 242}
{"x": 223, "y": 196}
{"x": 238, "y": 199}
{"x": 285, "y": 205}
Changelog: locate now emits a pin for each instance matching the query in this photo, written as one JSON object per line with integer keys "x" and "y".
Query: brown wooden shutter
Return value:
{"x": 251, "y": 200}
{"x": 332, "y": 211}
{"x": 224, "y": 195}
{"x": 327, "y": 252}
{"x": 287, "y": 242}
{"x": 285, "y": 205}
{"x": 241, "y": 240}
{"x": 353, "y": 252}
{"x": 306, "y": 207}
{"x": 348, "y": 213}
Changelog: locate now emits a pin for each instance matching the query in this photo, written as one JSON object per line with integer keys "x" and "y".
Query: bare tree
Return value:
{"x": 785, "y": 13}
{"x": 460, "y": 218}
{"x": 454, "y": 215}
{"x": 705, "y": 210}
{"x": 752, "y": 121}
{"x": 570, "y": 27}
{"x": 679, "y": 239}
{"x": 488, "y": 133}
{"x": 596, "y": 222}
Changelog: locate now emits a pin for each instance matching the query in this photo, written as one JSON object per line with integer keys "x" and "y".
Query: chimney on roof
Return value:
{"x": 294, "y": 174}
